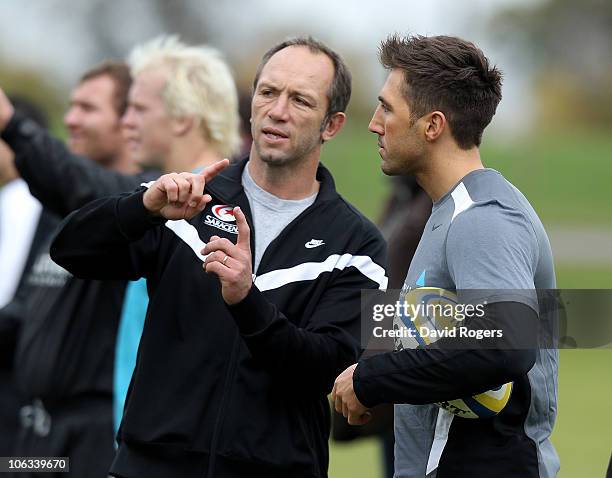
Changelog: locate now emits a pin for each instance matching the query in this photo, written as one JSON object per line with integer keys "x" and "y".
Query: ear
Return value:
{"x": 333, "y": 126}
{"x": 435, "y": 124}
{"x": 181, "y": 125}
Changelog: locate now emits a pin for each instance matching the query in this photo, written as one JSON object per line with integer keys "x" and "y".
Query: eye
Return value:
{"x": 301, "y": 101}
{"x": 385, "y": 108}
{"x": 267, "y": 93}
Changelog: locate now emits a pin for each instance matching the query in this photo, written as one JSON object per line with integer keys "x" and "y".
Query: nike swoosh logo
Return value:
{"x": 435, "y": 226}
{"x": 314, "y": 243}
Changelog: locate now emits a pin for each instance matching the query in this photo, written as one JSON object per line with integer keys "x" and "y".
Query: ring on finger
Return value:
{"x": 224, "y": 259}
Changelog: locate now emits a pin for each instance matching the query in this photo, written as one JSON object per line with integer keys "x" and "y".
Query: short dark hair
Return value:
{"x": 119, "y": 73}
{"x": 339, "y": 92}
{"x": 447, "y": 74}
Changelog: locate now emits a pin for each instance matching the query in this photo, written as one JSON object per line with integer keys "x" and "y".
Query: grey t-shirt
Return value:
{"x": 271, "y": 214}
{"x": 483, "y": 234}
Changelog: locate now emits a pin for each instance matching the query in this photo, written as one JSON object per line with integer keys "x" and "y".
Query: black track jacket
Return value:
{"x": 224, "y": 391}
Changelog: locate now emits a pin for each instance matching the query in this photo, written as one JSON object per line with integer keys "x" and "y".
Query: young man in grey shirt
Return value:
{"x": 483, "y": 241}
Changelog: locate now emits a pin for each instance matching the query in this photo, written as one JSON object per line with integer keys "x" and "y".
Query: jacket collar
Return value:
{"x": 228, "y": 184}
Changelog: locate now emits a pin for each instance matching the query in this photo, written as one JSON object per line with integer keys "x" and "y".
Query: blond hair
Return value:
{"x": 199, "y": 85}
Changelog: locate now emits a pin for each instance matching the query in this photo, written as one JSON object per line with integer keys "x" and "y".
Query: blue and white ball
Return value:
{"x": 420, "y": 326}
{"x": 484, "y": 405}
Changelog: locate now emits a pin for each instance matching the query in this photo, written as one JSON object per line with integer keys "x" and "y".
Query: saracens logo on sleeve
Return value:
{"x": 223, "y": 215}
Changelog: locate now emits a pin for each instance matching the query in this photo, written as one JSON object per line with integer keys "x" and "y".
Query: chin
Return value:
{"x": 76, "y": 148}
{"x": 273, "y": 158}
{"x": 389, "y": 169}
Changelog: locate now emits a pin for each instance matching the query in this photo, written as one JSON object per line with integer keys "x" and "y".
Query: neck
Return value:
{"x": 123, "y": 163}
{"x": 290, "y": 181}
{"x": 187, "y": 156}
{"x": 446, "y": 169}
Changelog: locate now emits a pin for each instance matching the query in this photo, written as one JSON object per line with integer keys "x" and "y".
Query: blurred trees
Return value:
{"x": 569, "y": 46}
{"x": 34, "y": 86}
{"x": 187, "y": 18}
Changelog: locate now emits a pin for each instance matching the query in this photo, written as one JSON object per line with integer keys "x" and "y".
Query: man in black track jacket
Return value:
{"x": 254, "y": 288}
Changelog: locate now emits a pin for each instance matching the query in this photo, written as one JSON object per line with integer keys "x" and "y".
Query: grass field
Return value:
{"x": 566, "y": 177}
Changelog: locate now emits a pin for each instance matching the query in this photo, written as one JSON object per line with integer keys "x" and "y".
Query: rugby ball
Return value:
{"x": 484, "y": 405}
{"x": 427, "y": 315}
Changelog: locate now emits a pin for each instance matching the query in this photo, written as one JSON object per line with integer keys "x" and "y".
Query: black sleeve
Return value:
{"x": 110, "y": 238}
{"x": 447, "y": 369}
{"x": 10, "y": 326}
{"x": 60, "y": 180}
{"x": 309, "y": 359}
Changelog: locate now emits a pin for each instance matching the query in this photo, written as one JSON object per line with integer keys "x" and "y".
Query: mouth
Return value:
{"x": 75, "y": 138}
{"x": 132, "y": 141}
{"x": 274, "y": 135}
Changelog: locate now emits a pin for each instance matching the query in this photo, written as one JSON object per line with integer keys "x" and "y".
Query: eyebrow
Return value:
{"x": 266, "y": 84}
{"x": 81, "y": 103}
{"x": 307, "y": 96}
{"x": 384, "y": 102}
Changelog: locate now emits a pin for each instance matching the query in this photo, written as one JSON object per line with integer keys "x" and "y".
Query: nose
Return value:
{"x": 71, "y": 118}
{"x": 375, "y": 125}
{"x": 127, "y": 120}
{"x": 279, "y": 110}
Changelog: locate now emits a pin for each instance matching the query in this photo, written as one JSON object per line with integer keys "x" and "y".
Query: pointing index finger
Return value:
{"x": 214, "y": 169}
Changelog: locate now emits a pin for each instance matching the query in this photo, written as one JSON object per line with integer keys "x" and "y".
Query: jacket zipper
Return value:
{"x": 228, "y": 379}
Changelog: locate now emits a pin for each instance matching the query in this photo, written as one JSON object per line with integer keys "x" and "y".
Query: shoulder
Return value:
{"x": 348, "y": 216}
{"x": 492, "y": 226}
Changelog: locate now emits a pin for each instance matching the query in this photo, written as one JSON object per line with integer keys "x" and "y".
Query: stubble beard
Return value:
{"x": 292, "y": 157}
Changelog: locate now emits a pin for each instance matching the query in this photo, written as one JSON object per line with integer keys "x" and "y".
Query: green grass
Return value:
{"x": 583, "y": 432}
{"x": 353, "y": 159}
{"x": 356, "y": 459}
{"x": 573, "y": 277}
{"x": 565, "y": 176}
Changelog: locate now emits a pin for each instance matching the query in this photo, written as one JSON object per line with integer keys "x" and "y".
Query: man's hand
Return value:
{"x": 6, "y": 110}
{"x": 345, "y": 400}
{"x": 181, "y": 195}
{"x": 232, "y": 262}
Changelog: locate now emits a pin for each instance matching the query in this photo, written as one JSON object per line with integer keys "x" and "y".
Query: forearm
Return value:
{"x": 306, "y": 360}
{"x": 95, "y": 241}
{"x": 60, "y": 180}
{"x": 443, "y": 371}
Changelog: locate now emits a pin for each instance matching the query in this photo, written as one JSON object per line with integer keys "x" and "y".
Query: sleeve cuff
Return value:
{"x": 254, "y": 313}
{"x": 134, "y": 218}
{"x": 364, "y": 391}
{"x": 18, "y": 127}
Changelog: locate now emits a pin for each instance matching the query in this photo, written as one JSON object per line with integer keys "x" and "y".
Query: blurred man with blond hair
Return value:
{"x": 183, "y": 106}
